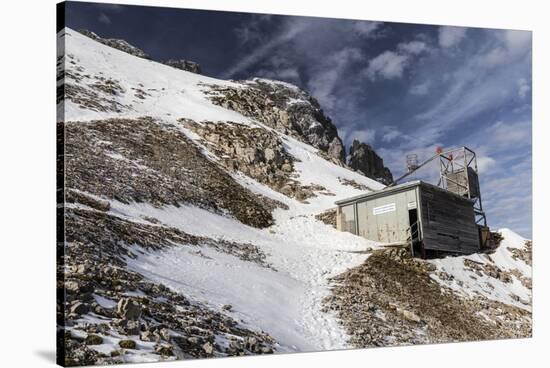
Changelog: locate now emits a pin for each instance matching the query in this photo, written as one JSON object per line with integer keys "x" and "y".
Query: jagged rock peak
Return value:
{"x": 286, "y": 108}
{"x": 186, "y": 65}
{"x": 364, "y": 159}
{"x": 116, "y": 43}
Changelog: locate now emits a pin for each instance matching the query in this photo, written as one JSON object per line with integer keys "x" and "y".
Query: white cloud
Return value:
{"x": 511, "y": 46}
{"x": 475, "y": 86}
{"x": 517, "y": 42}
{"x": 366, "y": 28}
{"x": 390, "y": 134}
{"x": 251, "y": 31}
{"x": 484, "y": 163}
{"x": 512, "y": 134}
{"x": 322, "y": 84}
{"x": 388, "y": 65}
{"x": 523, "y": 88}
{"x": 413, "y": 47}
{"x": 291, "y": 75}
{"x": 293, "y": 28}
{"x": 365, "y": 135}
{"x": 420, "y": 89}
{"x": 392, "y": 64}
{"x": 103, "y": 18}
{"x": 115, "y": 8}
{"x": 450, "y": 36}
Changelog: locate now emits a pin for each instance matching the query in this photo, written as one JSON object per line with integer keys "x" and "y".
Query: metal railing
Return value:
{"x": 413, "y": 232}
{"x": 414, "y": 235}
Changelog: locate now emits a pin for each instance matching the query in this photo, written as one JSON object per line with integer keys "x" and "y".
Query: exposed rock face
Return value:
{"x": 186, "y": 65}
{"x": 328, "y": 217}
{"x": 99, "y": 94}
{"x": 116, "y": 43}
{"x": 285, "y": 108}
{"x": 526, "y": 254}
{"x": 159, "y": 165}
{"x": 257, "y": 152}
{"x": 392, "y": 300}
{"x": 364, "y": 159}
{"x": 354, "y": 184}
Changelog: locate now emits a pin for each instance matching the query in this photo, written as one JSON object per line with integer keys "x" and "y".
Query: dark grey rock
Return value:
{"x": 115, "y": 43}
{"x": 364, "y": 159}
{"x": 80, "y": 308}
{"x": 189, "y": 66}
{"x": 128, "y": 308}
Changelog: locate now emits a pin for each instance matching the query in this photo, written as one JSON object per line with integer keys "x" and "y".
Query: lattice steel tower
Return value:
{"x": 458, "y": 174}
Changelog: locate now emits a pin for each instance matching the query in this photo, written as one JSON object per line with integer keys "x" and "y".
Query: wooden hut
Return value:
{"x": 421, "y": 215}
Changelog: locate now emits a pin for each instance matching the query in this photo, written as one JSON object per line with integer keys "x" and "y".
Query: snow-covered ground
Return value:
{"x": 467, "y": 282}
{"x": 284, "y": 301}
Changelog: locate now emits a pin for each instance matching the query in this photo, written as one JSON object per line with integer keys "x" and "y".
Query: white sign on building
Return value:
{"x": 383, "y": 209}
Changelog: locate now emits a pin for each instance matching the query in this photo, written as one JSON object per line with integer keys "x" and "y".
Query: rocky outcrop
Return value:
{"x": 391, "y": 300}
{"x": 364, "y": 159}
{"x": 525, "y": 254}
{"x": 189, "y": 66}
{"x": 256, "y": 152}
{"x": 116, "y": 43}
{"x": 285, "y": 108}
{"x": 328, "y": 217}
{"x": 158, "y": 165}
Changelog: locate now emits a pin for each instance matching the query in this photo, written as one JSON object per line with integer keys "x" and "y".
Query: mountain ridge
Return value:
{"x": 278, "y": 104}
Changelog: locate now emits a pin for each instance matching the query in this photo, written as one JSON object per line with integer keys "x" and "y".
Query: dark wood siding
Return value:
{"x": 448, "y": 221}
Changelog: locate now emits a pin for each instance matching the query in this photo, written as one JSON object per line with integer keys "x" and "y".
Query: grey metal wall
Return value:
{"x": 345, "y": 218}
{"x": 448, "y": 221}
{"x": 386, "y": 219}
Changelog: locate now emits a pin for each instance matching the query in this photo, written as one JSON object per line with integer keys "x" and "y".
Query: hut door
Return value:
{"x": 413, "y": 223}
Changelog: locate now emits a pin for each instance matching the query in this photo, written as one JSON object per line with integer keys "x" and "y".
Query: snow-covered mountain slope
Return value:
{"x": 205, "y": 219}
{"x": 504, "y": 275}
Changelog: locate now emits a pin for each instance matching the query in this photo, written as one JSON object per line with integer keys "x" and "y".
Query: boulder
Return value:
{"x": 132, "y": 327}
{"x": 164, "y": 350}
{"x": 128, "y": 308}
{"x": 208, "y": 348}
{"x": 72, "y": 286}
{"x": 127, "y": 344}
{"x": 79, "y": 308}
{"x": 93, "y": 339}
{"x": 189, "y": 66}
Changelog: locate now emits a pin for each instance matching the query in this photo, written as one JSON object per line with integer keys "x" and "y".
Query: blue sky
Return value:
{"x": 402, "y": 88}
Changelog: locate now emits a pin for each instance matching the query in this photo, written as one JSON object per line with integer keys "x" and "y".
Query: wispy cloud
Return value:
{"x": 390, "y": 133}
{"x": 103, "y": 18}
{"x": 322, "y": 85}
{"x": 388, "y": 65}
{"x": 292, "y": 28}
{"x": 451, "y": 36}
{"x": 523, "y": 88}
{"x": 413, "y": 47}
{"x": 392, "y": 64}
{"x": 420, "y": 89}
{"x": 367, "y": 29}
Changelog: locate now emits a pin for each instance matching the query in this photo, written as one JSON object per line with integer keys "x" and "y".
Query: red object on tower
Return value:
{"x": 439, "y": 150}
